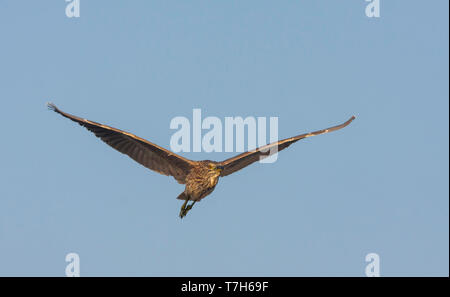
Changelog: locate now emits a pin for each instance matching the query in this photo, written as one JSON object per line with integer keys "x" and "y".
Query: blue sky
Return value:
{"x": 378, "y": 186}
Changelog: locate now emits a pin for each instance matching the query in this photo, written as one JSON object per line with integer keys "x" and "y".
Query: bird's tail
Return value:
{"x": 183, "y": 196}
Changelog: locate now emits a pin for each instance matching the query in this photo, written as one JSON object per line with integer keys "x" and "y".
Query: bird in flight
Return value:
{"x": 200, "y": 177}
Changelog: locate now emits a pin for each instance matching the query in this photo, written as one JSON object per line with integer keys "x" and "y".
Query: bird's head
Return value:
{"x": 215, "y": 167}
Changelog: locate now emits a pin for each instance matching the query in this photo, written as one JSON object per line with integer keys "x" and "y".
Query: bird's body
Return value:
{"x": 200, "y": 177}
{"x": 200, "y": 181}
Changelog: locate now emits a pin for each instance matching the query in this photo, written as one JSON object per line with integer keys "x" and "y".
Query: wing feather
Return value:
{"x": 142, "y": 151}
{"x": 243, "y": 160}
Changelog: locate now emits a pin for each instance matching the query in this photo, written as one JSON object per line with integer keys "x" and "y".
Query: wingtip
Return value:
{"x": 349, "y": 121}
{"x": 51, "y": 106}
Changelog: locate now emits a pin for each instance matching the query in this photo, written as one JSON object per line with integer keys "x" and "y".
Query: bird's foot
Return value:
{"x": 185, "y": 209}
{"x": 183, "y": 213}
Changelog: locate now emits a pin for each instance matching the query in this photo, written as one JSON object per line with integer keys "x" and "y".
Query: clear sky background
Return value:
{"x": 380, "y": 185}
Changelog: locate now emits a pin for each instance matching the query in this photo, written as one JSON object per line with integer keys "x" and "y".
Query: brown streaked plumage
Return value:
{"x": 200, "y": 177}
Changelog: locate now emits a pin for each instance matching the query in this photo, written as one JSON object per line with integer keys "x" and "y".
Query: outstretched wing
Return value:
{"x": 243, "y": 160}
{"x": 142, "y": 151}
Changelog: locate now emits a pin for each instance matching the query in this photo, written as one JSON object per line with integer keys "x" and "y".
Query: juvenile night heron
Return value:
{"x": 200, "y": 177}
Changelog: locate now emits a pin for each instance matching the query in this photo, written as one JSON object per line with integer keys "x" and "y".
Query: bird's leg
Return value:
{"x": 190, "y": 206}
{"x": 183, "y": 208}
